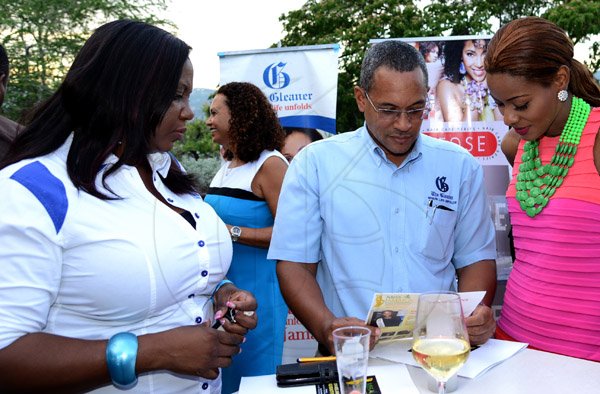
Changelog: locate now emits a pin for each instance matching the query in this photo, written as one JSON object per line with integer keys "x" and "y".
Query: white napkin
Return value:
{"x": 482, "y": 359}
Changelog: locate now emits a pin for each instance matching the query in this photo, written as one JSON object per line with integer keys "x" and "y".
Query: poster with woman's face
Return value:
{"x": 462, "y": 109}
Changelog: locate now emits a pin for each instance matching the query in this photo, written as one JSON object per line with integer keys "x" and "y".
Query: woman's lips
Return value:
{"x": 521, "y": 131}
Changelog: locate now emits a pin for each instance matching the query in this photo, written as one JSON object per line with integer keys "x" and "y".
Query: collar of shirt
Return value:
{"x": 378, "y": 154}
{"x": 159, "y": 161}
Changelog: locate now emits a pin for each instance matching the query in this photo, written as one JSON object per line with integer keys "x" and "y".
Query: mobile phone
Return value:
{"x": 229, "y": 315}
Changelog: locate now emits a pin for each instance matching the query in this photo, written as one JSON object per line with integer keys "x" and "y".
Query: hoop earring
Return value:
{"x": 563, "y": 95}
{"x": 462, "y": 69}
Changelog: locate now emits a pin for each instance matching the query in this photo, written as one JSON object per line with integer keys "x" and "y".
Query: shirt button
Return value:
{"x": 192, "y": 295}
{"x": 201, "y": 243}
{"x": 169, "y": 199}
{"x": 204, "y": 273}
{"x": 196, "y": 215}
{"x": 396, "y": 249}
{"x": 397, "y": 210}
{"x": 198, "y": 320}
{"x": 204, "y": 386}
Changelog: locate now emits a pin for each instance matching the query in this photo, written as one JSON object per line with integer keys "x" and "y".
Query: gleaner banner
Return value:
{"x": 300, "y": 82}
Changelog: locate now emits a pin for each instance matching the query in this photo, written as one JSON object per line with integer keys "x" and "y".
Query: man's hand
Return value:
{"x": 350, "y": 321}
{"x": 481, "y": 324}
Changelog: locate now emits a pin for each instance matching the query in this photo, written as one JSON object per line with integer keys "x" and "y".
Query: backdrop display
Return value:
{"x": 300, "y": 82}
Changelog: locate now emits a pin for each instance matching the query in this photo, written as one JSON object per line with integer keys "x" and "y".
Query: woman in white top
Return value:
{"x": 112, "y": 265}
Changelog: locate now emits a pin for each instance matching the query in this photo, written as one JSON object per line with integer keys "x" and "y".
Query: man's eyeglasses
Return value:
{"x": 392, "y": 114}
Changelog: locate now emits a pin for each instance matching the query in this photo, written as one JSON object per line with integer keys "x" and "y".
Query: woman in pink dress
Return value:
{"x": 550, "y": 101}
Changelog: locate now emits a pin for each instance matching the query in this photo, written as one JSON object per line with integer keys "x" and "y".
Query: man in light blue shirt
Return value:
{"x": 383, "y": 209}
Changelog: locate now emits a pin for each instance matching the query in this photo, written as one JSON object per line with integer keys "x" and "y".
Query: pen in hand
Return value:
{"x": 229, "y": 315}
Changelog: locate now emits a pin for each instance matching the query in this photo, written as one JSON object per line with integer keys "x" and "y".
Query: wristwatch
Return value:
{"x": 236, "y": 233}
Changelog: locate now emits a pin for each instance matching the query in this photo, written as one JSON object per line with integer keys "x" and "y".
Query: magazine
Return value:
{"x": 394, "y": 313}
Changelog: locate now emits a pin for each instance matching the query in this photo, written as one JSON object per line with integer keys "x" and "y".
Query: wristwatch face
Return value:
{"x": 235, "y": 233}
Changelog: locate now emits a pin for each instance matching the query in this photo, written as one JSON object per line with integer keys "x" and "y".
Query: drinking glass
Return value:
{"x": 352, "y": 357}
{"x": 440, "y": 339}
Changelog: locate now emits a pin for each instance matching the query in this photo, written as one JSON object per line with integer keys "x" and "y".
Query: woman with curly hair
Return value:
{"x": 245, "y": 192}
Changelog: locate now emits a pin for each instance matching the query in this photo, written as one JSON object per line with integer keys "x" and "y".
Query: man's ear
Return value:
{"x": 359, "y": 96}
{"x": 562, "y": 78}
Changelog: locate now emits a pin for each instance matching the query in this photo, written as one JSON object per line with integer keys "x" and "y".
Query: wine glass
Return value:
{"x": 440, "y": 339}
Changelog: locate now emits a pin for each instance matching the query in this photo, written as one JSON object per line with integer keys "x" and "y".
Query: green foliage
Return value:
{"x": 352, "y": 23}
{"x": 581, "y": 19}
{"x": 203, "y": 169}
{"x": 42, "y": 38}
{"x": 197, "y": 141}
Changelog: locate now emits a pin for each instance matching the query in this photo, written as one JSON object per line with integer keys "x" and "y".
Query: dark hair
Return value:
{"x": 4, "y": 65}
{"x": 313, "y": 134}
{"x": 535, "y": 48}
{"x": 254, "y": 126}
{"x": 394, "y": 54}
{"x": 117, "y": 91}
{"x": 426, "y": 47}
{"x": 453, "y": 52}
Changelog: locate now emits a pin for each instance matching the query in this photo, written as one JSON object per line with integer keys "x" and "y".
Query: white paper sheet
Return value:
{"x": 485, "y": 357}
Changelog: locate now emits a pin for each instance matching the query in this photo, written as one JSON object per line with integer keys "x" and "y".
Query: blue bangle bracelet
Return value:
{"x": 121, "y": 353}
{"x": 221, "y": 284}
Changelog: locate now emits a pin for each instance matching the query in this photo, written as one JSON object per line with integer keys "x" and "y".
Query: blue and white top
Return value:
{"x": 375, "y": 227}
{"x": 78, "y": 266}
{"x": 231, "y": 196}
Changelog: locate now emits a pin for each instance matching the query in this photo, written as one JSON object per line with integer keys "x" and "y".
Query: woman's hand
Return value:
{"x": 243, "y": 303}
{"x": 190, "y": 350}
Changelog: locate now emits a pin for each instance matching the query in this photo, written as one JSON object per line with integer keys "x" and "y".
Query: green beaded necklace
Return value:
{"x": 536, "y": 183}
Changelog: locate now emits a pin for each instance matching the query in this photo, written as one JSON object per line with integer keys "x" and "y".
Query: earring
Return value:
{"x": 563, "y": 95}
{"x": 462, "y": 69}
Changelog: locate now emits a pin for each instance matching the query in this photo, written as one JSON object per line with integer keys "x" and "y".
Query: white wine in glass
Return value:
{"x": 440, "y": 339}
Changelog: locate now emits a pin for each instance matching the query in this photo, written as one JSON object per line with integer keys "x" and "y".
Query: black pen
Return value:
{"x": 229, "y": 315}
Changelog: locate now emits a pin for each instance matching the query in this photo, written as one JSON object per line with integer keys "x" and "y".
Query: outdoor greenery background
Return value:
{"x": 43, "y": 36}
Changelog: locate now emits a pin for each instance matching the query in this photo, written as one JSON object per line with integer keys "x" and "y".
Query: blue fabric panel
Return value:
{"x": 309, "y": 121}
{"x": 47, "y": 188}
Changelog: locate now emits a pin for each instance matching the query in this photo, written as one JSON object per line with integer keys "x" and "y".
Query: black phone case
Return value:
{"x": 303, "y": 374}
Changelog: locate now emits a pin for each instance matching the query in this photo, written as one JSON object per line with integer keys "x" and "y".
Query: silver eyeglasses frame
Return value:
{"x": 411, "y": 114}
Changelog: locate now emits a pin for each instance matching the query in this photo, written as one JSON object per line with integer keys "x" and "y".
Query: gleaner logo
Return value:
{"x": 441, "y": 184}
{"x": 274, "y": 77}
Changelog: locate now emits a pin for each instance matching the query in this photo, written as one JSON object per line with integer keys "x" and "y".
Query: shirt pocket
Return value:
{"x": 437, "y": 233}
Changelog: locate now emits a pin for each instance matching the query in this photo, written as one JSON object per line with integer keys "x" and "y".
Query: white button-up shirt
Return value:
{"x": 78, "y": 266}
